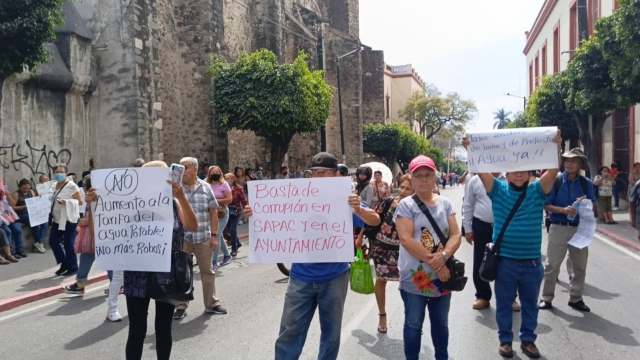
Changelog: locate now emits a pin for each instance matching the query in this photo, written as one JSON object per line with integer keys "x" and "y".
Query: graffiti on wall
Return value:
{"x": 32, "y": 161}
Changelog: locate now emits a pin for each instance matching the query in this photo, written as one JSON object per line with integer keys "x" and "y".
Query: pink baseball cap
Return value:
{"x": 421, "y": 161}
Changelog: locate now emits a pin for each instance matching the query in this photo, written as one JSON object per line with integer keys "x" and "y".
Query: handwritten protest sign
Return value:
{"x": 512, "y": 150}
{"x": 300, "y": 221}
{"x": 133, "y": 219}
{"x": 46, "y": 188}
{"x": 38, "y": 209}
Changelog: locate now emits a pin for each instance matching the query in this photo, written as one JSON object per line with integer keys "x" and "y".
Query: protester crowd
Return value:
{"x": 412, "y": 237}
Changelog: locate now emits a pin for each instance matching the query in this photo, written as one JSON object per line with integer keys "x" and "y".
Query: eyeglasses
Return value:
{"x": 423, "y": 177}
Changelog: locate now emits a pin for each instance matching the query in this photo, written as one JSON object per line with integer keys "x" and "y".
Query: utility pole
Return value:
{"x": 359, "y": 49}
{"x": 320, "y": 54}
{"x": 449, "y": 157}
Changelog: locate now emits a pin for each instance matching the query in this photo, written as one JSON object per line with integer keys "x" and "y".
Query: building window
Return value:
{"x": 537, "y": 70}
{"x": 388, "y": 101}
{"x": 544, "y": 59}
{"x": 556, "y": 49}
{"x": 530, "y": 78}
{"x": 594, "y": 13}
{"x": 621, "y": 138}
{"x": 573, "y": 28}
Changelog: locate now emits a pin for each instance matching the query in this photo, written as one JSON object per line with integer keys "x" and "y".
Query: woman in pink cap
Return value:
{"x": 422, "y": 259}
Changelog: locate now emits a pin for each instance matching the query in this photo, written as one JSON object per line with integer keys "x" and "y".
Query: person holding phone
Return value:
{"x": 222, "y": 192}
{"x": 66, "y": 202}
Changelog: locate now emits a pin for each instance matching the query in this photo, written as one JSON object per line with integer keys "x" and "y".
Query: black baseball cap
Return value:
{"x": 324, "y": 160}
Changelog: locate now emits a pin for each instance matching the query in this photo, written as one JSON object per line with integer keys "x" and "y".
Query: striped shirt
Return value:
{"x": 523, "y": 238}
{"x": 202, "y": 200}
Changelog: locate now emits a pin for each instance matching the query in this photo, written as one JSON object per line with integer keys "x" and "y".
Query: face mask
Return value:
{"x": 285, "y": 173}
{"x": 259, "y": 176}
{"x": 229, "y": 183}
{"x": 215, "y": 177}
{"x": 59, "y": 177}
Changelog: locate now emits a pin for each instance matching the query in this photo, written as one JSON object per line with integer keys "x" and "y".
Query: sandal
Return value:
{"x": 382, "y": 329}
{"x": 12, "y": 259}
{"x": 3, "y": 261}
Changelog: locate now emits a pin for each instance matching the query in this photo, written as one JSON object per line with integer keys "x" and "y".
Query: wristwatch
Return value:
{"x": 214, "y": 235}
{"x": 446, "y": 257}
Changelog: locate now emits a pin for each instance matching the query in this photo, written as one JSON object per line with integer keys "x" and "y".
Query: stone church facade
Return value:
{"x": 127, "y": 80}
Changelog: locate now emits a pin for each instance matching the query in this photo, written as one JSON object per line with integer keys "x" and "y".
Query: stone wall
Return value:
{"x": 373, "y": 86}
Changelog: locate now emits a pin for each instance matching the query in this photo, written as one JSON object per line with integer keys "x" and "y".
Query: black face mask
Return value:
{"x": 215, "y": 177}
{"x": 518, "y": 188}
{"x": 285, "y": 173}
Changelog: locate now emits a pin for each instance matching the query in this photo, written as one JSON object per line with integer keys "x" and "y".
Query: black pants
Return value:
{"x": 482, "y": 235}
{"x": 137, "y": 309}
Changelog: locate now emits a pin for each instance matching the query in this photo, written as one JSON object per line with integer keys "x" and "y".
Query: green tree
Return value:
{"x": 519, "y": 121}
{"x": 276, "y": 101}
{"x": 433, "y": 112}
{"x": 622, "y": 45}
{"x": 503, "y": 119}
{"x": 397, "y": 143}
{"x": 547, "y": 107}
{"x": 25, "y": 26}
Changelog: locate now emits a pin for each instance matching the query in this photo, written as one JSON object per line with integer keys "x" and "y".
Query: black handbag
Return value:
{"x": 176, "y": 286}
{"x": 53, "y": 202}
{"x": 489, "y": 266}
{"x": 457, "y": 280}
{"x": 370, "y": 232}
{"x": 233, "y": 210}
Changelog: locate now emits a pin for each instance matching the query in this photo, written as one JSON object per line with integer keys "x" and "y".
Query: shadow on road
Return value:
{"x": 594, "y": 292}
{"x": 487, "y": 317}
{"x": 76, "y": 305}
{"x": 101, "y": 332}
{"x": 596, "y": 324}
{"x": 382, "y": 345}
{"x": 40, "y": 284}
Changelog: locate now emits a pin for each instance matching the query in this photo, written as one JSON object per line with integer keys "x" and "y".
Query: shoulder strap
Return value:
{"x": 557, "y": 183}
{"x": 511, "y": 215}
{"x": 584, "y": 183}
{"x": 56, "y": 195}
{"x": 434, "y": 224}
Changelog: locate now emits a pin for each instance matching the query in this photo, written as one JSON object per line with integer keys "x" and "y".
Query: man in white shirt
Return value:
{"x": 477, "y": 222}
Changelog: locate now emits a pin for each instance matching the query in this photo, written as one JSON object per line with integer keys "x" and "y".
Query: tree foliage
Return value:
{"x": 397, "y": 143}
{"x": 434, "y": 112}
{"x": 503, "y": 119}
{"x": 25, "y": 26}
{"x": 276, "y": 101}
{"x": 622, "y": 45}
{"x": 547, "y": 107}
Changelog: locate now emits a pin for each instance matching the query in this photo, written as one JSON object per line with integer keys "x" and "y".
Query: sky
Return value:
{"x": 471, "y": 47}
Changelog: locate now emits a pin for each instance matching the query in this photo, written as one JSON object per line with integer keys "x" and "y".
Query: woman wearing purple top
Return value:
{"x": 222, "y": 192}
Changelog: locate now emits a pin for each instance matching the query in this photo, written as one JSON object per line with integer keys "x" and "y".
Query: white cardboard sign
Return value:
{"x": 300, "y": 221}
{"x": 38, "y": 209}
{"x": 133, "y": 219}
{"x": 508, "y": 150}
{"x": 46, "y": 188}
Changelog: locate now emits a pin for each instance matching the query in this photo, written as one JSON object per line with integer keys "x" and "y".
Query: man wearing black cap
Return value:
{"x": 321, "y": 285}
{"x": 568, "y": 187}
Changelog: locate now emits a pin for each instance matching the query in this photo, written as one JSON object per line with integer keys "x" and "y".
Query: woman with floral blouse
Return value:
{"x": 381, "y": 189}
{"x": 239, "y": 201}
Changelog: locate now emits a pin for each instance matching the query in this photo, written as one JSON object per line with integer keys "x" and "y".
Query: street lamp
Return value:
{"x": 340, "y": 100}
{"x": 521, "y": 97}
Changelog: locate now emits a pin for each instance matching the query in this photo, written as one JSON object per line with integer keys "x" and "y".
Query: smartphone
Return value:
{"x": 177, "y": 171}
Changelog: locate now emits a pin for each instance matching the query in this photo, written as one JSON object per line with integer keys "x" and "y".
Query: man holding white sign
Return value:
{"x": 519, "y": 269}
{"x": 320, "y": 273}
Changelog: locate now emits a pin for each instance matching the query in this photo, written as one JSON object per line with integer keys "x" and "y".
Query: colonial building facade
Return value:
{"x": 551, "y": 43}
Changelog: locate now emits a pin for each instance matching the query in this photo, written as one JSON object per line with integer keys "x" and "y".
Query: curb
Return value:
{"x": 14, "y": 302}
{"x": 617, "y": 238}
{"x": 45, "y": 293}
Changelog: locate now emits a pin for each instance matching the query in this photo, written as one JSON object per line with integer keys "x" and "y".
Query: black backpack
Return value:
{"x": 583, "y": 182}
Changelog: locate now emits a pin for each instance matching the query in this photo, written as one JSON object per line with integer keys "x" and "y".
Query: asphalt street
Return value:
{"x": 67, "y": 327}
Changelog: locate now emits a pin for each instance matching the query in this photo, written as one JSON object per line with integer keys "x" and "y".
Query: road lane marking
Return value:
{"x": 619, "y": 247}
{"x": 42, "y": 306}
{"x": 356, "y": 320}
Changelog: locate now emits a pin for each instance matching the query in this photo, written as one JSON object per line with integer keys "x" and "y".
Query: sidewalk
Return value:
{"x": 34, "y": 278}
{"x": 622, "y": 233}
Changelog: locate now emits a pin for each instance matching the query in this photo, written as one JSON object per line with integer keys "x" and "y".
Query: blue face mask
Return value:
{"x": 59, "y": 177}
{"x": 259, "y": 176}
{"x": 229, "y": 183}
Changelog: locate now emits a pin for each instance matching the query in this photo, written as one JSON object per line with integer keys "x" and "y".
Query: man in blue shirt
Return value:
{"x": 568, "y": 187}
{"x": 318, "y": 285}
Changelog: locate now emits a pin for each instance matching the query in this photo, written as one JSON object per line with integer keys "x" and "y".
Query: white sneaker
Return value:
{"x": 40, "y": 248}
{"x": 614, "y": 208}
{"x": 115, "y": 317}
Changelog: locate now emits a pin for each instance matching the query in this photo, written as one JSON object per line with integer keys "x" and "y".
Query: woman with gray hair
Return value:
{"x": 66, "y": 202}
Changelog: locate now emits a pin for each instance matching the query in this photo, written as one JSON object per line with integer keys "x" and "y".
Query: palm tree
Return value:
{"x": 503, "y": 119}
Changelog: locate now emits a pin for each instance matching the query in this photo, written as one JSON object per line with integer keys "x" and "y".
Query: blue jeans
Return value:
{"x": 522, "y": 277}
{"x": 67, "y": 255}
{"x": 233, "y": 232}
{"x": 14, "y": 235}
{"x": 86, "y": 261}
{"x": 35, "y": 230}
{"x": 414, "y": 313}
{"x": 222, "y": 222}
{"x": 300, "y": 303}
